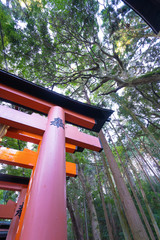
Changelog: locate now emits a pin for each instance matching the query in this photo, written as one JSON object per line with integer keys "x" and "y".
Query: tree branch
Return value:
{"x": 112, "y": 91}
{"x": 145, "y": 79}
{"x": 154, "y": 91}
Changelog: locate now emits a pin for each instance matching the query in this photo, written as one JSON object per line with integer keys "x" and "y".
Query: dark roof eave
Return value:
{"x": 14, "y": 179}
{"x": 148, "y": 10}
{"x": 99, "y": 114}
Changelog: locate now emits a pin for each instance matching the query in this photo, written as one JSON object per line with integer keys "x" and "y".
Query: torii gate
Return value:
{"x": 44, "y": 211}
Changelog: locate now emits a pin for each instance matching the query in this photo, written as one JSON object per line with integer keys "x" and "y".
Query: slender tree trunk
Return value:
{"x": 122, "y": 218}
{"x": 91, "y": 207}
{"x": 145, "y": 130}
{"x": 112, "y": 221}
{"x": 140, "y": 208}
{"x": 138, "y": 231}
{"x": 77, "y": 231}
{"x": 132, "y": 143}
{"x": 149, "y": 152}
{"x": 132, "y": 185}
{"x": 76, "y": 205}
{"x": 144, "y": 171}
{"x": 147, "y": 203}
{"x": 86, "y": 221}
{"x": 133, "y": 218}
{"x": 142, "y": 191}
{"x": 3, "y": 47}
{"x": 76, "y": 211}
{"x": 109, "y": 227}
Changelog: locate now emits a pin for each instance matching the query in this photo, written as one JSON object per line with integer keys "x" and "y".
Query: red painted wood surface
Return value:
{"x": 27, "y": 100}
{"x": 74, "y": 136}
{"x": 12, "y": 186}
{"x": 26, "y": 201}
{"x": 36, "y": 124}
{"x": 7, "y": 210}
{"x": 27, "y": 159}
{"x": 23, "y": 135}
{"x": 33, "y": 123}
{"x": 33, "y": 138}
{"x": 15, "y": 219}
{"x": 47, "y": 200}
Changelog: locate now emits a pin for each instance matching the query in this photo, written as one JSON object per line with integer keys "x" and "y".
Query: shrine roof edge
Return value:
{"x": 100, "y": 115}
{"x": 148, "y": 10}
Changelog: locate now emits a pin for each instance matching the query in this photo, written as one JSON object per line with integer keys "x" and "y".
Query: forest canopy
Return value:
{"x": 102, "y": 53}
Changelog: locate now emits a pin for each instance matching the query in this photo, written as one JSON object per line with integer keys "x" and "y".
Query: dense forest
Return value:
{"x": 102, "y": 53}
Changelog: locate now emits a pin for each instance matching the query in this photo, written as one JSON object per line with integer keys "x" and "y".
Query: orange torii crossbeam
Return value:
{"x": 47, "y": 185}
{"x": 27, "y": 159}
{"x": 37, "y": 124}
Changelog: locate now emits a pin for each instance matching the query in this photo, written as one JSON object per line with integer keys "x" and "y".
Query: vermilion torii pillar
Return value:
{"x": 45, "y": 216}
{"x": 14, "y": 223}
{"x": 44, "y": 213}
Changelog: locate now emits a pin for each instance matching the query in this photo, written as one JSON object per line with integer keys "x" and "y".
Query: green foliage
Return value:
{"x": 13, "y": 143}
{"x": 60, "y": 44}
{"x": 12, "y": 170}
{"x": 7, "y": 195}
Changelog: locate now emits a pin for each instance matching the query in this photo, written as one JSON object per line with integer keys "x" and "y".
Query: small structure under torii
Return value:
{"x": 41, "y": 209}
